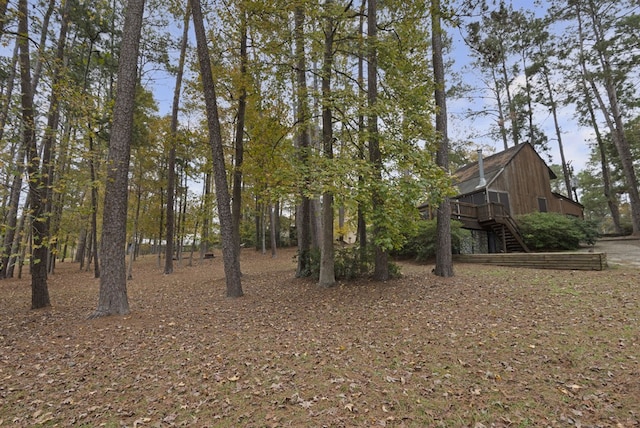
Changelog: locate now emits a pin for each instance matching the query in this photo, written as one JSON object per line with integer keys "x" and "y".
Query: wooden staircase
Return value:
{"x": 509, "y": 235}
{"x": 494, "y": 217}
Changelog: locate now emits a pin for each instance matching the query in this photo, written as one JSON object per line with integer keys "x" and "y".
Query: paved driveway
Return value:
{"x": 620, "y": 251}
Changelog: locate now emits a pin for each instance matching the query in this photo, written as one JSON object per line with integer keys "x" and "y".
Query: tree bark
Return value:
{"x": 171, "y": 168}
{"x": 327, "y": 261}
{"x": 12, "y": 215}
{"x": 51, "y": 131}
{"x": 6, "y": 107}
{"x": 361, "y": 234}
{"x": 80, "y": 247}
{"x": 206, "y": 194}
{"x": 381, "y": 257}
{"x": 236, "y": 200}
{"x": 18, "y": 246}
{"x": 501, "y": 119}
{"x": 134, "y": 235}
{"x": 37, "y": 67}
{"x": 444, "y": 258}
{"x": 554, "y": 111}
{"x": 113, "y": 282}
{"x": 272, "y": 232}
{"x": 303, "y": 215}
{"x": 94, "y": 207}
{"x": 229, "y": 248}
{"x": 93, "y": 161}
{"x": 37, "y": 184}
{"x": 160, "y": 227}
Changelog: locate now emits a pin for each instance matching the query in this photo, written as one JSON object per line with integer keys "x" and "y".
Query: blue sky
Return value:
{"x": 575, "y": 139}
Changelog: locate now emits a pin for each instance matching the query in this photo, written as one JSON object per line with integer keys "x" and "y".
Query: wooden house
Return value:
{"x": 495, "y": 189}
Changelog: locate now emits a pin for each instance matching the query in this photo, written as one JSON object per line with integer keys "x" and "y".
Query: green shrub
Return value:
{"x": 554, "y": 231}
{"x": 348, "y": 263}
{"x": 589, "y": 229}
{"x": 627, "y": 227}
{"x": 422, "y": 243}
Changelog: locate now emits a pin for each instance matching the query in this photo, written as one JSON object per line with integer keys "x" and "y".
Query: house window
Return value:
{"x": 542, "y": 205}
{"x": 501, "y": 198}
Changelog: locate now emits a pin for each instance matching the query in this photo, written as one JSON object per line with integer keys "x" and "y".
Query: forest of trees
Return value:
{"x": 290, "y": 123}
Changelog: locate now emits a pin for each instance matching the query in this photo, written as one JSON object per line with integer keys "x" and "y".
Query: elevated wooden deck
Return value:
{"x": 491, "y": 216}
{"x": 563, "y": 261}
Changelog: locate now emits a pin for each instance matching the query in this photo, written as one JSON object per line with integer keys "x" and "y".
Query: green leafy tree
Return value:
{"x": 492, "y": 43}
{"x": 599, "y": 17}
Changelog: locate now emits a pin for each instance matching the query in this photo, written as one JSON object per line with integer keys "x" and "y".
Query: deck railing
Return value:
{"x": 471, "y": 213}
{"x": 464, "y": 211}
{"x": 492, "y": 211}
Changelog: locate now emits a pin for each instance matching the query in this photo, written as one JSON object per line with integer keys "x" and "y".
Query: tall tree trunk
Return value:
{"x": 303, "y": 215}
{"x": 134, "y": 234}
{"x": 613, "y": 117}
{"x": 206, "y": 195}
{"x": 609, "y": 194}
{"x": 381, "y": 258}
{"x": 93, "y": 161}
{"x": 501, "y": 119}
{"x": 515, "y": 131}
{"x": 256, "y": 221}
{"x": 444, "y": 258}
{"x": 554, "y": 111}
{"x": 94, "y": 207}
{"x": 361, "y": 220}
{"x": 277, "y": 231}
{"x": 527, "y": 87}
{"x": 37, "y": 184}
{"x": 18, "y": 246}
{"x": 327, "y": 261}
{"x": 25, "y": 237}
{"x": 272, "y": 231}
{"x": 236, "y": 200}
{"x": 193, "y": 243}
{"x": 161, "y": 227}
{"x": 51, "y": 130}
{"x": 113, "y": 281}
{"x": 80, "y": 249}
{"x": 91, "y": 246}
{"x": 12, "y": 215}
{"x": 171, "y": 168}
{"x": 183, "y": 218}
{"x": 58, "y": 198}
{"x": 6, "y": 107}
{"x": 37, "y": 67}
{"x": 315, "y": 216}
{"x": 229, "y": 248}
{"x": 263, "y": 228}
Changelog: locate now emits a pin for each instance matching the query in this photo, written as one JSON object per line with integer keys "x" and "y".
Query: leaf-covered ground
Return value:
{"x": 490, "y": 347}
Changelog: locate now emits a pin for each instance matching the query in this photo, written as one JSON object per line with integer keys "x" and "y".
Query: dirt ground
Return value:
{"x": 490, "y": 347}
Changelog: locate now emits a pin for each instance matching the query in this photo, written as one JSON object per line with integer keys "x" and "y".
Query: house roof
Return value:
{"x": 468, "y": 177}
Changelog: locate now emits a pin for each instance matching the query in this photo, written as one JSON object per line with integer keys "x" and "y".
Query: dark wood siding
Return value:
{"x": 518, "y": 179}
{"x": 527, "y": 176}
